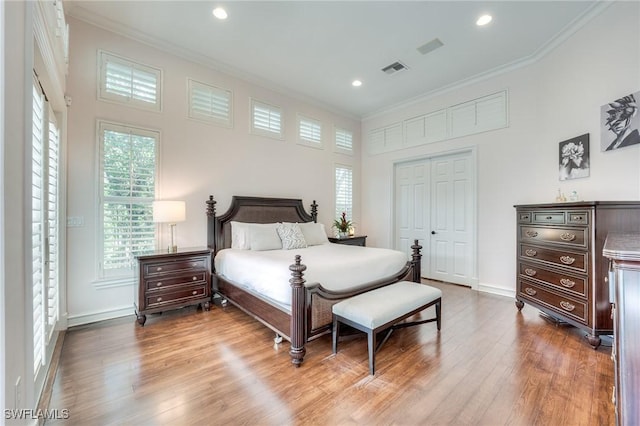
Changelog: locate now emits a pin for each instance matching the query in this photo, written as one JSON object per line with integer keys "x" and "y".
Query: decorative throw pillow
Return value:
{"x": 291, "y": 236}
{"x": 264, "y": 237}
{"x": 314, "y": 233}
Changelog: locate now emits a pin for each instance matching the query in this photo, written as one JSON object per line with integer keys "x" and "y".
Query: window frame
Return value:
{"x": 314, "y": 124}
{"x": 338, "y": 209}
{"x": 211, "y": 119}
{"x": 121, "y": 276}
{"x": 258, "y": 131}
{"x": 103, "y": 57}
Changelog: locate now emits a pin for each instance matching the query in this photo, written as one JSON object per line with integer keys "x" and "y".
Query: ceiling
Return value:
{"x": 315, "y": 49}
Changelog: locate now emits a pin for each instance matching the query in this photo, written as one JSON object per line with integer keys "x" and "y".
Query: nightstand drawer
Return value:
{"x": 175, "y": 297}
{"x": 175, "y": 266}
{"x": 176, "y": 280}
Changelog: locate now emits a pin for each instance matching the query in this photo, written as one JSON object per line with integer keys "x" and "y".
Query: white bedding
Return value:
{"x": 335, "y": 266}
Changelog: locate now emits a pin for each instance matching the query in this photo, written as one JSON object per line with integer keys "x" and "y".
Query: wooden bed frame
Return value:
{"x": 310, "y": 314}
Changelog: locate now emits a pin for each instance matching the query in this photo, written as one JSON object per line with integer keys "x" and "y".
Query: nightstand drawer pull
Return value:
{"x": 159, "y": 299}
{"x": 567, "y": 306}
{"x": 159, "y": 284}
{"x": 194, "y": 292}
{"x": 567, "y": 236}
{"x": 530, "y": 272}
{"x": 159, "y": 268}
{"x": 194, "y": 278}
{"x": 567, "y": 260}
{"x": 531, "y": 234}
{"x": 549, "y": 217}
{"x": 530, "y": 252}
{"x": 530, "y": 291}
{"x": 566, "y": 282}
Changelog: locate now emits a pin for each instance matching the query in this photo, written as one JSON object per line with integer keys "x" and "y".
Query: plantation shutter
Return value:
{"x": 128, "y": 190}
{"x": 344, "y": 139}
{"x": 52, "y": 263}
{"x": 310, "y": 130}
{"x": 127, "y": 81}
{"x": 37, "y": 226}
{"x": 209, "y": 103}
{"x": 344, "y": 191}
{"x": 267, "y": 119}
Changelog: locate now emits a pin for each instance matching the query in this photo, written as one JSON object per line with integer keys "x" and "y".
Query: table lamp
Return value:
{"x": 169, "y": 212}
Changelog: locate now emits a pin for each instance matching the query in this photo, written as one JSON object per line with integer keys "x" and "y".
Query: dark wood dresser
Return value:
{"x": 560, "y": 266}
{"x": 623, "y": 250}
{"x": 172, "y": 280}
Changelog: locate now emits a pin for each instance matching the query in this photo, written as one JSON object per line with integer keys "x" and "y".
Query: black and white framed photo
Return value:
{"x": 619, "y": 123}
{"x": 574, "y": 158}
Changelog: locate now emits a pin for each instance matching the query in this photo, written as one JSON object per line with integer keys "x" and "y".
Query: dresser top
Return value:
{"x": 571, "y": 204}
{"x": 164, "y": 253}
{"x": 622, "y": 247}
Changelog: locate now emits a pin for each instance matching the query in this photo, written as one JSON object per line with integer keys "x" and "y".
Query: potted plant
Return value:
{"x": 342, "y": 225}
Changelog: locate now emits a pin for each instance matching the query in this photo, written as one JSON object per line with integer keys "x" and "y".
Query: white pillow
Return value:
{"x": 240, "y": 236}
{"x": 291, "y": 236}
{"x": 314, "y": 233}
{"x": 264, "y": 237}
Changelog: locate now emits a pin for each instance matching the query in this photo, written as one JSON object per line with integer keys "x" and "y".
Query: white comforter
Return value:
{"x": 335, "y": 266}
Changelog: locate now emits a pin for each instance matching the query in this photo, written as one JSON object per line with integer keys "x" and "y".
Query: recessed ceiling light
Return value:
{"x": 356, "y": 83}
{"x": 220, "y": 13}
{"x": 484, "y": 20}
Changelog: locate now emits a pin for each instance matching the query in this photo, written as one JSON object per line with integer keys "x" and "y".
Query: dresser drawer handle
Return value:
{"x": 159, "y": 284}
{"x": 567, "y": 260}
{"x": 568, "y": 236}
{"x": 194, "y": 292}
{"x": 159, "y": 268}
{"x": 567, "y": 306}
{"x": 159, "y": 299}
{"x": 549, "y": 217}
{"x": 194, "y": 278}
{"x": 530, "y": 252}
{"x": 577, "y": 218}
{"x": 530, "y": 272}
{"x": 194, "y": 264}
{"x": 530, "y": 291}
{"x": 566, "y": 282}
{"x": 531, "y": 234}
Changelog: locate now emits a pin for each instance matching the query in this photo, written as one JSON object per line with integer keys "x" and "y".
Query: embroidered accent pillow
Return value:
{"x": 291, "y": 236}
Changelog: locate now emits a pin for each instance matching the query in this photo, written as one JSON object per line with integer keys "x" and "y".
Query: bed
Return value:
{"x": 305, "y": 313}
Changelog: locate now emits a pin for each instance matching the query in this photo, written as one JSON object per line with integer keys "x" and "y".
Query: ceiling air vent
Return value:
{"x": 394, "y": 68}
{"x": 430, "y": 46}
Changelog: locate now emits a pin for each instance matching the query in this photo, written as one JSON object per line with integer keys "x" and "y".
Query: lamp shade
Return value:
{"x": 169, "y": 211}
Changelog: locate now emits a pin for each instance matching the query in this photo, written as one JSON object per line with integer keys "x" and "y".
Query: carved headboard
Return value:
{"x": 253, "y": 210}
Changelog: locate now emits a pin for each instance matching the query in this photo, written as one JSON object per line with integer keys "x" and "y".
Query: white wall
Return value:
{"x": 554, "y": 99}
{"x": 197, "y": 159}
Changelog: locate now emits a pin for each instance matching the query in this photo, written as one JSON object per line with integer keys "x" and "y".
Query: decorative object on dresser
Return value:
{"x": 170, "y": 212}
{"x": 560, "y": 267}
{"x": 172, "y": 280}
{"x": 352, "y": 240}
{"x": 623, "y": 250}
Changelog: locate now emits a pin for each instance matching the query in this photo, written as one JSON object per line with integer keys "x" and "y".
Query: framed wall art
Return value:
{"x": 619, "y": 123}
{"x": 574, "y": 158}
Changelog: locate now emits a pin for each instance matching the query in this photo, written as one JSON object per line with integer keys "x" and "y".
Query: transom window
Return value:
{"x": 309, "y": 132}
{"x": 210, "y": 103}
{"x": 344, "y": 140}
{"x": 266, "y": 120}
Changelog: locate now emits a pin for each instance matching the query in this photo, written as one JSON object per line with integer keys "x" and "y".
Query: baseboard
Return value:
{"x": 500, "y": 291}
{"x": 74, "y": 320}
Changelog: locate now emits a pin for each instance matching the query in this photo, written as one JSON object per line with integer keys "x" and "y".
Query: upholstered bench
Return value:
{"x": 382, "y": 309}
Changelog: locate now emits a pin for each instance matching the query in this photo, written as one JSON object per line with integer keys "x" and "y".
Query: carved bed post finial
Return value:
{"x": 211, "y": 206}
{"x": 416, "y": 261}
{"x": 211, "y": 223}
{"x": 298, "y": 325}
{"x": 314, "y": 211}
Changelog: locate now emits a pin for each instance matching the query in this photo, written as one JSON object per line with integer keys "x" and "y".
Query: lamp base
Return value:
{"x": 172, "y": 249}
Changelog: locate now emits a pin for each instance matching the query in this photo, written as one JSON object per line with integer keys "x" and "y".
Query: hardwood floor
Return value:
{"x": 490, "y": 365}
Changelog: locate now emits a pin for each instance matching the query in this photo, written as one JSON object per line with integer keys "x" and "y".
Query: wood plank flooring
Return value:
{"x": 490, "y": 365}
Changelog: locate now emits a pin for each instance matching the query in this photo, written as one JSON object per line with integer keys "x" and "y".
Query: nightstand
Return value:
{"x": 172, "y": 280}
{"x": 354, "y": 240}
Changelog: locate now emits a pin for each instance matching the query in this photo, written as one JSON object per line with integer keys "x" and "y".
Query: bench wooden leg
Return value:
{"x": 439, "y": 314}
{"x": 334, "y": 334}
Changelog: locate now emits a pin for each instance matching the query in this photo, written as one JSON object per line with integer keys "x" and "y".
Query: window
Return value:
{"x": 209, "y": 103}
{"x": 309, "y": 132}
{"x": 128, "y": 82}
{"x": 44, "y": 224}
{"x": 266, "y": 120}
{"x": 128, "y": 159}
{"x": 344, "y": 141}
{"x": 344, "y": 191}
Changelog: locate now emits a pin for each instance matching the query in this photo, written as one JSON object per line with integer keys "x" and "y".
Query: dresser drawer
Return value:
{"x": 524, "y": 217}
{"x": 575, "y": 237}
{"x": 160, "y": 283}
{"x": 174, "y": 297}
{"x": 578, "y": 218}
{"x": 575, "y": 261}
{"x": 566, "y": 306}
{"x": 548, "y": 217}
{"x": 175, "y": 266}
{"x": 573, "y": 284}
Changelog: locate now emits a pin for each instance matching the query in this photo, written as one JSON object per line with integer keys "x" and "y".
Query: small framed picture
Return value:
{"x": 619, "y": 123}
{"x": 574, "y": 158}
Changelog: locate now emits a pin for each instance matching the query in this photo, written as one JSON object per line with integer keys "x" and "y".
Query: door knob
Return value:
{"x": 433, "y": 232}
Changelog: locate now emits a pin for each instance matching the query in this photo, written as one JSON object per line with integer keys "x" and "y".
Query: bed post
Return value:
{"x": 416, "y": 261}
{"x": 314, "y": 211}
{"x": 211, "y": 223}
{"x": 298, "y": 326}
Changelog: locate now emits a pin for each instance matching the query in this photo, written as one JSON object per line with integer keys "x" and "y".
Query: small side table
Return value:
{"x": 172, "y": 280}
{"x": 354, "y": 240}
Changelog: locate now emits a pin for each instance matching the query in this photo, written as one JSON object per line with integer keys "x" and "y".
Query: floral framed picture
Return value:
{"x": 619, "y": 123}
{"x": 574, "y": 158}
